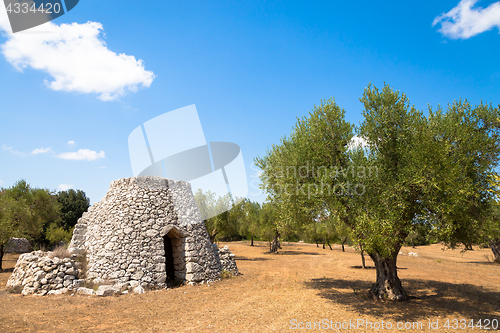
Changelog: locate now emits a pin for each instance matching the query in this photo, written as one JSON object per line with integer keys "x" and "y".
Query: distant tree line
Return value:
{"x": 44, "y": 217}
{"x": 248, "y": 220}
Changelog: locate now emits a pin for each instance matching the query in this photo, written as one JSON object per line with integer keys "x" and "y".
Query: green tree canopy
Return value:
{"x": 416, "y": 169}
{"x": 73, "y": 205}
{"x": 25, "y": 212}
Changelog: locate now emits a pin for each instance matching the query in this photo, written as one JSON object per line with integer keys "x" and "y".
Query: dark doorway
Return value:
{"x": 169, "y": 258}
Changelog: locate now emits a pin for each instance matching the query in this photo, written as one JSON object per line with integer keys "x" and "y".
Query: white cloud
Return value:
{"x": 41, "y": 151}
{"x": 464, "y": 22}
{"x": 357, "y": 141}
{"x": 12, "y": 150}
{"x": 82, "y": 154}
{"x": 71, "y": 143}
{"x": 102, "y": 167}
{"x": 64, "y": 187}
{"x": 1, "y": 182}
{"x": 76, "y": 57}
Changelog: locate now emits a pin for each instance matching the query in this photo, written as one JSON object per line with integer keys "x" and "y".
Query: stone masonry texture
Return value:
{"x": 123, "y": 235}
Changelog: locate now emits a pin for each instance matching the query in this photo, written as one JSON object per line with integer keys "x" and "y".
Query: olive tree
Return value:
{"x": 415, "y": 169}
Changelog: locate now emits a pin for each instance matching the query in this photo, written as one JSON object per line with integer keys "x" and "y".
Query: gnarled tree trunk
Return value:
{"x": 251, "y": 243}
{"x": 1, "y": 256}
{"x": 495, "y": 247}
{"x": 213, "y": 235}
{"x": 343, "y": 242}
{"x": 275, "y": 245}
{"x": 388, "y": 285}
{"x": 362, "y": 255}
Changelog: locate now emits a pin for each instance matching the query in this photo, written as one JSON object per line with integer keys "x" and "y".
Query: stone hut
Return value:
{"x": 146, "y": 229}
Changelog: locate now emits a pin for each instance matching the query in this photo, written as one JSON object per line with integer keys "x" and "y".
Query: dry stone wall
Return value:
{"x": 125, "y": 236}
{"x": 37, "y": 273}
{"x": 17, "y": 245}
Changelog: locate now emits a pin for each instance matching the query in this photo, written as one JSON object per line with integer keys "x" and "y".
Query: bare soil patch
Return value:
{"x": 303, "y": 282}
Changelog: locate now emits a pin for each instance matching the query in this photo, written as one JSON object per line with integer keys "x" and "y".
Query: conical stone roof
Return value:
{"x": 124, "y": 237}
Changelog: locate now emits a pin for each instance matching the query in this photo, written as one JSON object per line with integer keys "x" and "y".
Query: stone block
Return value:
{"x": 138, "y": 290}
{"x": 193, "y": 267}
{"x": 27, "y": 291}
{"x": 106, "y": 290}
{"x": 161, "y": 278}
{"x": 195, "y": 277}
{"x": 85, "y": 291}
{"x": 78, "y": 283}
{"x": 138, "y": 275}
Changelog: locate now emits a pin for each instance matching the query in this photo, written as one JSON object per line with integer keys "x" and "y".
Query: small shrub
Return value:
{"x": 90, "y": 285}
{"x": 60, "y": 251}
{"x": 225, "y": 274}
{"x": 82, "y": 260}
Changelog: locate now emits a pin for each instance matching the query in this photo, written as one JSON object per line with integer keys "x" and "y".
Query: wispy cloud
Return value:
{"x": 102, "y": 167}
{"x": 82, "y": 154}
{"x": 41, "y": 151}
{"x": 2, "y": 182}
{"x": 463, "y": 21}
{"x": 12, "y": 150}
{"x": 77, "y": 58}
{"x": 64, "y": 187}
{"x": 71, "y": 143}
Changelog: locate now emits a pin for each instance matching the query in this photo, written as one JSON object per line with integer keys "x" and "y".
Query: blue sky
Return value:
{"x": 72, "y": 90}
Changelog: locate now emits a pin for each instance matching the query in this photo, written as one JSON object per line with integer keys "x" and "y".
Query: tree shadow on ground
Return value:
{"x": 7, "y": 270}
{"x": 483, "y": 263}
{"x": 251, "y": 259}
{"x": 296, "y": 253}
{"x": 428, "y": 298}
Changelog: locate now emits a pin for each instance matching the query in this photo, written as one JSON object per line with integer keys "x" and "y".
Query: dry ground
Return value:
{"x": 303, "y": 282}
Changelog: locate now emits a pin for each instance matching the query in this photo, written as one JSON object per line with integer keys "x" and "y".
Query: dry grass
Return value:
{"x": 60, "y": 251}
{"x": 82, "y": 261}
{"x": 303, "y": 282}
{"x": 225, "y": 274}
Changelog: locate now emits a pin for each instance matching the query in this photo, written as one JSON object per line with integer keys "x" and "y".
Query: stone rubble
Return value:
{"x": 37, "y": 273}
{"x": 227, "y": 261}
